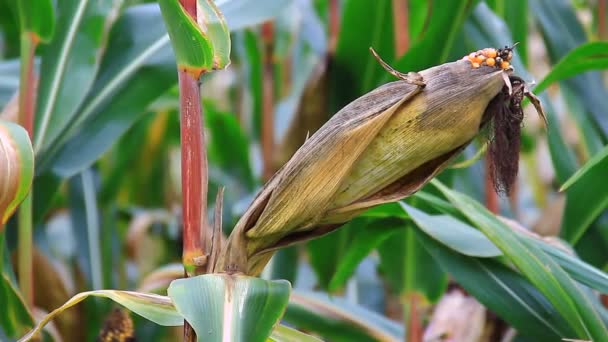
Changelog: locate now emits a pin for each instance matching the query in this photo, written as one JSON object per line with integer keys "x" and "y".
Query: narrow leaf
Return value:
{"x": 284, "y": 333}
{"x": 336, "y": 319}
{"x": 567, "y": 296}
{"x": 409, "y": 268}
{"x": 598, "y": 161}
{"x": 137, "y": 68}
{"x": 501, "y": 290}
{"x": 576, "y": 268}
{"x": 364, "y": 240}
{"x": 69, "y": 65}
{"x": 156, "y": 308}
{"x": 586, "y": 57}
{"x": 453, "y": 233}
{"x": 15, "y": 319}
{"x": 586, "y": 197}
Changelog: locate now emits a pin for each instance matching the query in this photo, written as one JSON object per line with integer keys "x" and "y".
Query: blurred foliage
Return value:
{"x": 107, "y": 180}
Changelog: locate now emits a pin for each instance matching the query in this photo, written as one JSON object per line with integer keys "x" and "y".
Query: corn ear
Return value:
{"x": 380, "y": 148}
{"x": 16, "y": 168}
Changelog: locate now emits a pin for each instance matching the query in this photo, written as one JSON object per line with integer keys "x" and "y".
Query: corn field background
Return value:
{"x": 453, "y": 262}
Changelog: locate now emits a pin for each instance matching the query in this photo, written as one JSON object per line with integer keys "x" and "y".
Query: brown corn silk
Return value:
{"x": 506, "y": 120}
{"x": 380, "y": 148}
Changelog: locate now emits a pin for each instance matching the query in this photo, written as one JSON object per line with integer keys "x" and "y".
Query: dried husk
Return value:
{"x": 380, "y": 148}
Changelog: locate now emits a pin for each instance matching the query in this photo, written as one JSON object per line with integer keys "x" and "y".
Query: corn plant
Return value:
{"x": 240, "y": 170}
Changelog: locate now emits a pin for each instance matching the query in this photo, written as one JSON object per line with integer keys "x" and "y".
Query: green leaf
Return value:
{"x": 16, "y": 318}
{"x": 562, "y": 32}
{"x": 335, "y": 319}
{"x": 223, "y": 307}
{"x": 199, "y": 46}
{"x": 156, "y": 308}
{"x": 453, "y": 233}
{"x": 69, "y": 65}
{"x": 409, "y": 268}
{"x": 586, "y": 57}
{"x": 385, "y": 210}
{"x": 228, "y": 146}
{"x": 352, "y": 50}
{"x": 286, "y": 334}
{"x": 567, "y": 296}
{"x": 326, "y": 252}
{"x": 16, "y": 168}
{"x": 446, "y": 20}
{"x": 503, "y": 291}
{"x": 250, "y": 54}
{"x": 578, "y": 269}
{"x": 597, "y": 162}
{"x": 586, "y": 197}
{"x": 37, "y": 18}
{"x": 138, "y": 67}
{"x": 365, "y": 238}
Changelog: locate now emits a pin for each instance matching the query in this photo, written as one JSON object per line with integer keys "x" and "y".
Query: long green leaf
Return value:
{"x": 567, "y": 297}
{"x": 228, "y": 145}
{"x": 563, "y": 32}
{"x": 358, "y": 71}
{"x": 453, "y": 233}
{"x": 326, "y": 252}
{"x": 337, "y": 320}
{"x": 15, "y": 319}
{"x": 598, "y": 161}
{"x": 69, "y": 64}
{"x": 138, "y": 67}
{"x": 16, "y": 168}
{"x": 365, "y": 238}
{"x": 156, "y": 308}
{"x": 408, "y": 268}
{"x": 286, "y": 334}
{"x": 586, "y": 198}
{"x": 446, "y": 20}
{"x": 586, "y": 57}
{"x": 452, "y": 237}
{"x": 223, "y": 307}
{"x": 503, "y": 291}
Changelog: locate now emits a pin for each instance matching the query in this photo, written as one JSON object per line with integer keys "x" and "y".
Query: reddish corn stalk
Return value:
{"x": 268, "y": 101}
{"x": 414, "y": 328}
{"x": 601, "y": 20}
{"x": 194, "y": 172}
{"x": 401, "y": 26}
{"x": 334, "y": 25}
